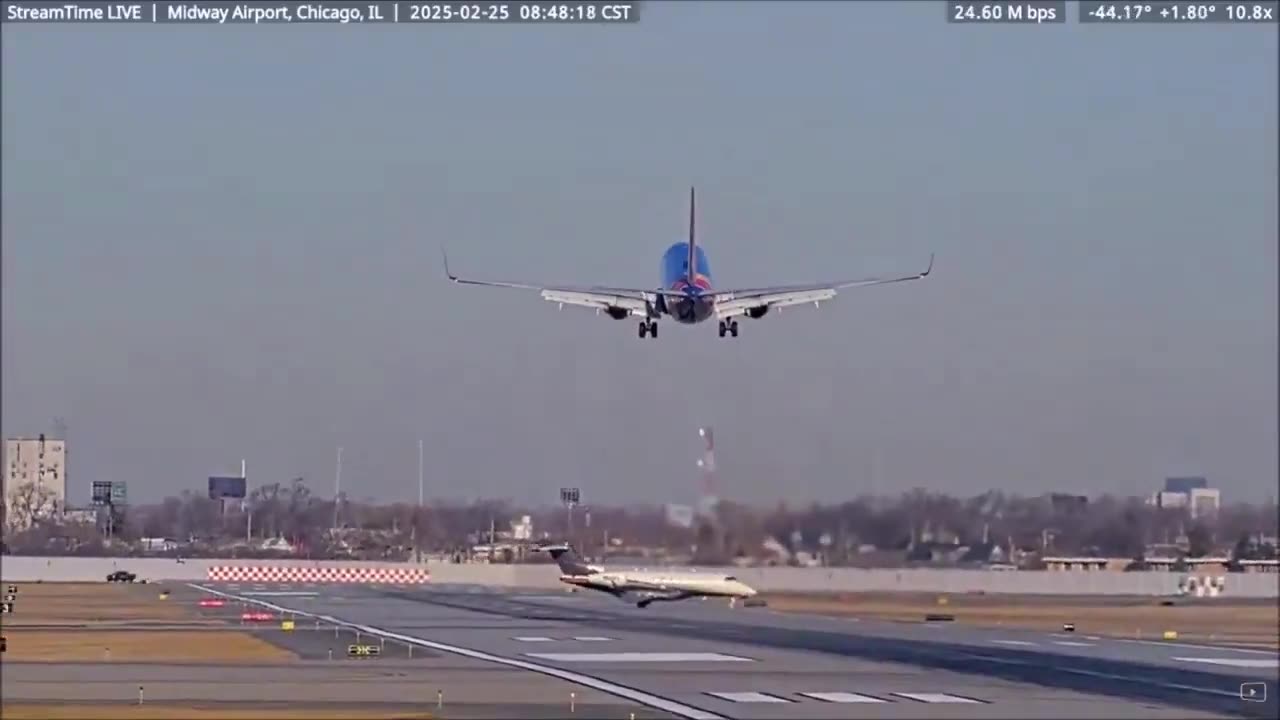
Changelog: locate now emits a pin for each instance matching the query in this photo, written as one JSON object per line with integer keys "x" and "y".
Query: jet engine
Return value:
{"x": 756, "y": 313}
{"x": 617, "y": 313}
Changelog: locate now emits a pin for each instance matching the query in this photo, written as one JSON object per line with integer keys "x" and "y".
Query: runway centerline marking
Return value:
{"x": 639, "y": 657}
{"x": 842, "y": 697}
{"x": 748, "y": 697}
{"x": 1234, "y": 662}
{"x": 938, "y": 698}
{"x": 1012, "y": 642}
{"x": 591, "y": 638}
{"x": 654, "y": 701}
{"x": 532, "y": 638}
{"x": 1071, "y": 643}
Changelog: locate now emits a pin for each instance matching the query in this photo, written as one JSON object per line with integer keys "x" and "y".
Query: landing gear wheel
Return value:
{"x": 733, "y": 328}
{"x": 643, "y": 603}
{"x": 644, "y": 328}
{"x": 653, "y": 328}
{"x": 723, "y": 328}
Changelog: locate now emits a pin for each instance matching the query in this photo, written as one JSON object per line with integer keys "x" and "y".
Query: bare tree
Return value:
{"x": 29, "y": 504}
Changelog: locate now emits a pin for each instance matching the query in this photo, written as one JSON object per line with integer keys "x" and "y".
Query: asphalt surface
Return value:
{"x": 707, "y": 660}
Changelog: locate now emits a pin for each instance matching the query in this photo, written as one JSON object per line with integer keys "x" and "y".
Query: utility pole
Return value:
{"x": 337, "y": 489}
{"x": 420, "y": 488}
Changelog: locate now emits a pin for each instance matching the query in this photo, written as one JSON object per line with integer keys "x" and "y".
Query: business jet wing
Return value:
{"x": 730, "y": 303}
{"x": 635, "y": 300}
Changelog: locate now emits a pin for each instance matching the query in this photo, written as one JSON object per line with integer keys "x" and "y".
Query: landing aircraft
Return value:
{"x": 651, "y": 586}
{"x": 687, "y": 294}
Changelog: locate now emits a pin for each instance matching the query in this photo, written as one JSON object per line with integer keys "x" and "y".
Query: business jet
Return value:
{"x": 650, "y": 586}
{"x": 687, "y": 295}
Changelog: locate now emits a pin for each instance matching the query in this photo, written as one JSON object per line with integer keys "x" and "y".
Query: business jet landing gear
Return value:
{"x": 649, "y": 328}
{"x": 730, "y": 327}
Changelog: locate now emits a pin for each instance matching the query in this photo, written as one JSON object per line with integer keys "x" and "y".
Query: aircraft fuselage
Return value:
{"x": 697, "y": 304}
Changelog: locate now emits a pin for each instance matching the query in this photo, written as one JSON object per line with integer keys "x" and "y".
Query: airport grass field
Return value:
{"x": 161, "y": 711}
{"x": 1217, "y": 620}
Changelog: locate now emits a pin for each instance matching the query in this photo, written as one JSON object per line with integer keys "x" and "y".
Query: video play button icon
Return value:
{"x": 1253, "y": 691}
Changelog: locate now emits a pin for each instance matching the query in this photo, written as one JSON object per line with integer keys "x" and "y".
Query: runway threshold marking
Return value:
{"x": 842, "y": 697}
{"x": 639, "y": 696}
{"x": 938, "y": 698}
{"x": 1234, "y": 662}
{"x": 748, "y": 697}
{"x": 639, "y": 657}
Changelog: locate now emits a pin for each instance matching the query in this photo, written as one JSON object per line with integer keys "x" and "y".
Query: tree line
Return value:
{"x": 312, "y": 526}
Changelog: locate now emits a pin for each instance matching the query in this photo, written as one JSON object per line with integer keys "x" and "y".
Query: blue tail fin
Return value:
{"x": 691, "y": 266}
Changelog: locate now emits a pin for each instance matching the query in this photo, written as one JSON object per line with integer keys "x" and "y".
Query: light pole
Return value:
{"x": 337, "y": 488}
{"x": 419, "y": 473}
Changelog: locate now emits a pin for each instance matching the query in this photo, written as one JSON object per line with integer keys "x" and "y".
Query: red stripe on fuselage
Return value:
{"x": 700, "y": 281}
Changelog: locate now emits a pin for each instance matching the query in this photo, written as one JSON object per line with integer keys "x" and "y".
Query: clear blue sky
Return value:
{"x": 223, "y": 242}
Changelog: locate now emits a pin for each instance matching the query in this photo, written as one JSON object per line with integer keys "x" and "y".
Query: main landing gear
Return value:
{"x": 648, "y": 328}
{"x": 730, "y": 327}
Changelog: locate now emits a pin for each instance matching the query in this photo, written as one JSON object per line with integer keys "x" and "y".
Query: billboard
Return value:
{"x": 226, "y": 487}
{"x": 101, "y": 492}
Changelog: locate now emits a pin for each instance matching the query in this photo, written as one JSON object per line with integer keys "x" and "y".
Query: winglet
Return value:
{"x": 928, "y": 269}
{"x": 447, "y": 274}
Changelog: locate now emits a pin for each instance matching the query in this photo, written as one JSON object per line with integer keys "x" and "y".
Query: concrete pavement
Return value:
{"x": 706, "y": 660}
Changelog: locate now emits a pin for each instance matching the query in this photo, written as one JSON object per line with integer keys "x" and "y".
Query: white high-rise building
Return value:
{"x": 41, "y": 461}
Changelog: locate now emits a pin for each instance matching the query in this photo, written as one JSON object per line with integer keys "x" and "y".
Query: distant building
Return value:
{"x": 41, "y": 461}
{"x": 1204, "y": 502}
{"x": 1192, "y": 493}
{"x": 1185, "y": 485}
{"x": 1167, "y": 499}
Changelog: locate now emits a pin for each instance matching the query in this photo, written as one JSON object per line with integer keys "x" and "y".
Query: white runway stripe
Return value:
{"x": 936, "y": 698}
{"x": 591, "y": 638}
{"x": 842, "y": 697}
{"x": 639, "y": 657}
{"x": 1234, "y": 662}
{"x": 1012, "y": 642}
{"x": 533, "y": 638}
{"x": 748, "y": 697}
{"x": 1070, "y": 643}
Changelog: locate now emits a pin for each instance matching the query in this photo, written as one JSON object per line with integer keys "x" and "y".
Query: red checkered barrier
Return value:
{"x": 371, "y": 576}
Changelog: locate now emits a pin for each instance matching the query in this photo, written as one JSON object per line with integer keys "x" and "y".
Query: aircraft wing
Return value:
{"x": 635, "y": 300}
{"x": 730, "y": 303}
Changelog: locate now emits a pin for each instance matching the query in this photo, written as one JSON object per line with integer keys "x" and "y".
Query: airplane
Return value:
{"x": 687, "y": 294}
{"x": 659, "y": 586}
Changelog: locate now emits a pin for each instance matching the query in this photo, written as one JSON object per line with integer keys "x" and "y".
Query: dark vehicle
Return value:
{"x": 121, "y": 576}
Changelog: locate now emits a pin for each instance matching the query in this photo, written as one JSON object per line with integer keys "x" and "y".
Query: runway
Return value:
{"x": 704, "y": 660}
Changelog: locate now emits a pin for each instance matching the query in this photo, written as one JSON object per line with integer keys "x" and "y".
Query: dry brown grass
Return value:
{"x": 80, "y": 603}
{"x": 158, "y": 711}
{"x": 1244, "y": 623}
{"x": 138, "y": 646}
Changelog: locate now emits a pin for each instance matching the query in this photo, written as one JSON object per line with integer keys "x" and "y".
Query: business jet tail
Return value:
{"x": 568, "y": 560}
